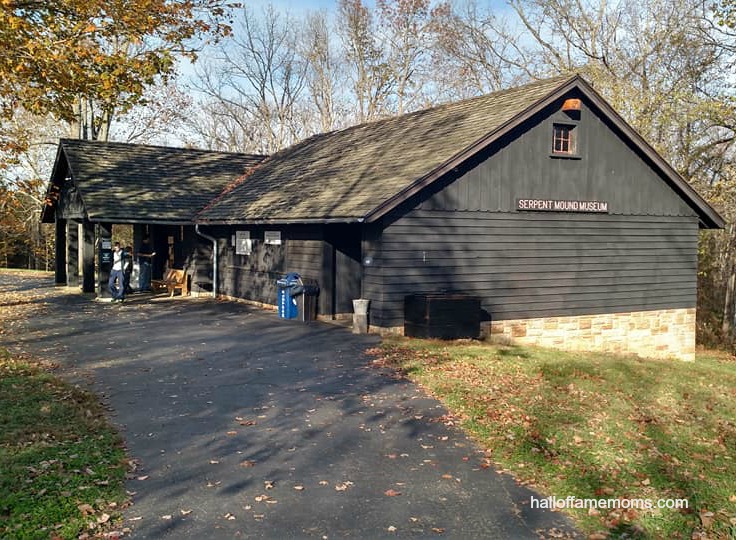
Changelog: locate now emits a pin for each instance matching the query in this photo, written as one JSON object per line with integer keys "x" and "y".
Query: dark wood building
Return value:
{"x": 158, "y": 190}
{"x": 540, "y": 200}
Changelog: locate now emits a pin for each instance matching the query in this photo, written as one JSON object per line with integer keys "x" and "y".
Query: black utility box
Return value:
{"x": 442, "y": 315}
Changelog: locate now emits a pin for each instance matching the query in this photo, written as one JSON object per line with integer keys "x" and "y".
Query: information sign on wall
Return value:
{"x": 243, "y": 243}
{"x": 272, "y": 237}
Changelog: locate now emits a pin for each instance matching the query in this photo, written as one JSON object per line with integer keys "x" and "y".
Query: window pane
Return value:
{"x": 562, "y": 140}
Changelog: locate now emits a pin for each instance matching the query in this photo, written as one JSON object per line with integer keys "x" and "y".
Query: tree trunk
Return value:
{"x": 728, "y": 305}
{"x": 75, "y": 126}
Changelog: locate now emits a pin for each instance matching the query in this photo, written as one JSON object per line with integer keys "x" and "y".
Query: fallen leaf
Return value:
{"x": 323, "y": 483}
{"x": 104, "y": 518}
{"x": 231, "y": 433}
{"x": 447, "y": 476}
{"x": 167, "y": 516}
{"x": 391, "y": 493}
{"x": 438, "y": 530}
{"x": 86, "y": 509}
{"x": 214, "y": 462}
{"x": 391, "y": 529}
{"x": 597, "y": 536}
{"x": 341, "y": 487}
{"x": 185, "y": 512}
{"x": 248, "y": 463}
{"x": 706, "y": 519}
{"x": 299, "y": 488}
{"x": 268, "y": 484}
{"x": 229, "y": 516}
{"x": 646, "y": 482}
{"x": 143, "y": 477}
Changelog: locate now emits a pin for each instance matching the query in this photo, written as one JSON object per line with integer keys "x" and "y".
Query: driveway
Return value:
{"x": 245, "y": 425}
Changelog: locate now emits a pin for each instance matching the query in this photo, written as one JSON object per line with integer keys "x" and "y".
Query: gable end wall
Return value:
{"x": 467, "y": 236}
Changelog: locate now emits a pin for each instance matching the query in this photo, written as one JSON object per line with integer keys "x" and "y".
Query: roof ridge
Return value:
{"x": 463, "y": 102}
{"x": 64, "y": 140}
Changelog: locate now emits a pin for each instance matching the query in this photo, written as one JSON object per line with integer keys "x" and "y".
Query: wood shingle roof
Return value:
{"x": 345, "y": 175}
{"x": 353, "y": 175}
{"x": 128, "y": 183}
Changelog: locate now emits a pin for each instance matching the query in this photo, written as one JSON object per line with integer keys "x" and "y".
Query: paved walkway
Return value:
{"x": 248, "y": 426}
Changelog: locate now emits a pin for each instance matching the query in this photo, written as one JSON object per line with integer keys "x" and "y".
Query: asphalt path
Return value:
{"x": 245, "y": 425}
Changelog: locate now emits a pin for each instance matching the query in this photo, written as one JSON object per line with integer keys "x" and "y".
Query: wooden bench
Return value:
{"x": 173, "y": 279}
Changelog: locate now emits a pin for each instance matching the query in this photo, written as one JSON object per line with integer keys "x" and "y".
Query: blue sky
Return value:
{"x": 298, "y": 5}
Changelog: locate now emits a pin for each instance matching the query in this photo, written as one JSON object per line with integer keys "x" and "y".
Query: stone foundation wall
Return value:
{"x": 668, "y": 333}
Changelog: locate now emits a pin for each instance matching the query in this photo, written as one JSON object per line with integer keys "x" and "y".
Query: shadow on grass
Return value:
{"x": 598, "y": 426}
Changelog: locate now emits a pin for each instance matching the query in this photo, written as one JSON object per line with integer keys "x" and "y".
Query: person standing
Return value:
{"x": 128, "y": 268}
{"x": 116, "y": 283}
{"x": 145, "y": 258}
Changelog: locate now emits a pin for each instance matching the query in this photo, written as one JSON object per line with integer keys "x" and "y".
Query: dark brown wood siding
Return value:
{"x": 525, "y": 266}
{"x": 326, "y": 256}
{"x": 465, "y": 235}
{"x": 606, "y": 168}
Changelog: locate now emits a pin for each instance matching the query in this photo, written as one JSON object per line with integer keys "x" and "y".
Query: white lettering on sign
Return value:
{"x": 553, "y": 205}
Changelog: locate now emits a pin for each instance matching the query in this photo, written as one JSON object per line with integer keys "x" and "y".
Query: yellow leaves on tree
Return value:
{"x": 107, "y": 50}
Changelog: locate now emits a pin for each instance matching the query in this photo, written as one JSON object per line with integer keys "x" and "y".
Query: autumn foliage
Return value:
{"x": 106, "y": 50}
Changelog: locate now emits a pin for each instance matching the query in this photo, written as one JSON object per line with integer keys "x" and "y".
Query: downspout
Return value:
{"x": 214, "y": 265}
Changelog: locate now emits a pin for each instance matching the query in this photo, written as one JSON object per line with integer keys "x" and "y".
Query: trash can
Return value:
{"x": 288, "y": 288}
{"x": 309, "y": 302}
{"x": 360, "y": 315}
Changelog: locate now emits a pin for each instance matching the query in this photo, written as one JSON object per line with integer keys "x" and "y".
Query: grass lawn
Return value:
{"x": 595, "y": 426}
{"x": 62, "y": 466}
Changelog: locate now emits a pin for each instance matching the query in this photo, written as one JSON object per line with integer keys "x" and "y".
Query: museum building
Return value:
{"x": 539, "y": 201}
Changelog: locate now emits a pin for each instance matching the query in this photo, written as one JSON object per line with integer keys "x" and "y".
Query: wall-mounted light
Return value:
{"x": 572, "y": 104}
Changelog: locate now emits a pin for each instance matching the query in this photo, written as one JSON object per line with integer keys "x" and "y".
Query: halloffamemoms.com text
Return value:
{"x": 553, "y": 502}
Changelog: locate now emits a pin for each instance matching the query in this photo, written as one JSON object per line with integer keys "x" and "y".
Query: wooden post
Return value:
{"x": 88, "y": 257}
{"x": 60, "y": 253}
{"x": 104, "y": 240}
{"x": 72, "y": 254}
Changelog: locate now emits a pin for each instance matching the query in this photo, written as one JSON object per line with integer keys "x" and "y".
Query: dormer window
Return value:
{"x": 563, "y": 140}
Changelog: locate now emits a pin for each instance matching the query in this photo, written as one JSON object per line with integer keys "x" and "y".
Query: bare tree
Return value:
{"x": 371, "y": 80}
{"x": 405, "y": 28}
{"x": 257, "y": 79}
{"x": 160, "y": 119}
{"x": 325, "y": 72}
{"x": 23, "y": 239}
{"x": 475, "y": 51}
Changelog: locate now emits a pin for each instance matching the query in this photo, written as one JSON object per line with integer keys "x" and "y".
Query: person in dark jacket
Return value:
{"x": 145, "y": 258}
